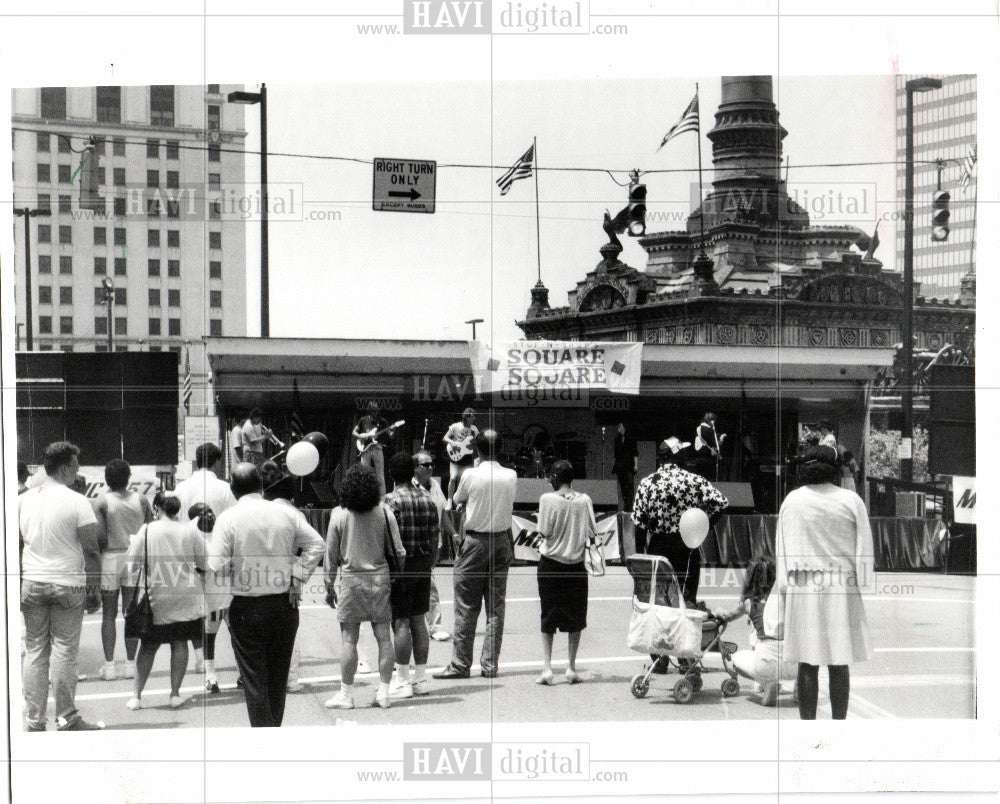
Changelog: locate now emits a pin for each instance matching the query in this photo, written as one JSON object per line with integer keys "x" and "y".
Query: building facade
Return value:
{"x": 138, "y": 181}
{"x": 944, "y": 127}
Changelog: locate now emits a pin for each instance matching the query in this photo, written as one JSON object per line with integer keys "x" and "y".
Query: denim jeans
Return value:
{"x": 53, "y": 618}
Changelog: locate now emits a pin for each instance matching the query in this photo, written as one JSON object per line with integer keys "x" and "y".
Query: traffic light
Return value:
{"x": 940, "y": 215}
{"x": 636, "y": 209}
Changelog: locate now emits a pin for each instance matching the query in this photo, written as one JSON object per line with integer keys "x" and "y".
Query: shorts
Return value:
{"x": 410, "y": 596}
{"x": 363, "y": 598}
{"x": 112, "y": 564}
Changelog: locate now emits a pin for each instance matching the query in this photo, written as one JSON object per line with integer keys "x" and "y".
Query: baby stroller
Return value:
{"x": 679, "y": 635}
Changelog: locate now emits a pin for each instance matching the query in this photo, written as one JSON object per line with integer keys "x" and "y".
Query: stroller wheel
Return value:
{"x": 696, "y": 681}
{"x": 730, "y": 688}
{"x": 640, "y": 685}
{"x": 683, "y": 691}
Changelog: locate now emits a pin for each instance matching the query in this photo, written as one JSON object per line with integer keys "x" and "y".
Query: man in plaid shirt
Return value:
{"x": 419, "y": 530}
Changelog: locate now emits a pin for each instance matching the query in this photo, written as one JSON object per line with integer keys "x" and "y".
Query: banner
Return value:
{"x": 144, "y": 480}
{"x": 527, "y": 538}
{"x": 963, "y": 491}
{"x": 554, "y": 372}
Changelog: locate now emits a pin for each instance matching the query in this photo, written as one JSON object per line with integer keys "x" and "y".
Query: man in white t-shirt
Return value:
{"x": 236, "y": 443}
{"x": 205, "y": 484}
{"x": 484, "y": 559}
{"x": 60, "y": 579}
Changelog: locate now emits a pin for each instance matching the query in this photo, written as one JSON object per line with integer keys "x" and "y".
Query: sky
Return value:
{"x": 362, "y": 273}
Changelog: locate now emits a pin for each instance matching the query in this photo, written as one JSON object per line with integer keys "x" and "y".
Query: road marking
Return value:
{"x": 926, "y": 650}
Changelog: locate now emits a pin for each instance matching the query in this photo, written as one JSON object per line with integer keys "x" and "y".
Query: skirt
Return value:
{"x": 563, "y": 592}
{"x": 175, "y": 632}
{"x": 363, "y": 598}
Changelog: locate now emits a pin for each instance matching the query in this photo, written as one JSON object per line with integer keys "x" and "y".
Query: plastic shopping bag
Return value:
{"x": 661, "y": 629}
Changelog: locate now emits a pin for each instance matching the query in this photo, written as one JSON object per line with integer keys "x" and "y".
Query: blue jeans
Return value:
{"x": 53, "y": 618}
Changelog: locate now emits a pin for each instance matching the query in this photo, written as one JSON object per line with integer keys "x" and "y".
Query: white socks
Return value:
{"x": 199, "y": 654}
{"x": 403, "y": 673}
{"x": 210, "y": 667}
{"x": 418, "y": 672}
{"x": 347, "y": 689}
{"x": 383, "y": 690}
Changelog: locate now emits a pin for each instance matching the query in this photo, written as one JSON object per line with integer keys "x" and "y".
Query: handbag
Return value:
{"x": 593, "y": 557}
{"x": 661, "y": 630}
{"x": 139, "y": 617}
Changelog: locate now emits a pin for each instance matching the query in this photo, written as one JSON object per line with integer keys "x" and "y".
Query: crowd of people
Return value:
{"x": 239, "y": 552}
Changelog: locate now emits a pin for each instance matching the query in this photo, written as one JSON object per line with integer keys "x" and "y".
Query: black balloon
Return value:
{"x": 318, "y": 440}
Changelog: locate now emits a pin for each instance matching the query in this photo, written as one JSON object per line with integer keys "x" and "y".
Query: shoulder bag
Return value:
{"x": 139, "y": 617}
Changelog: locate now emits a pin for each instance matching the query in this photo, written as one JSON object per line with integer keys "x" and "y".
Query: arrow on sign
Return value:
{"x": 411, "y": 194}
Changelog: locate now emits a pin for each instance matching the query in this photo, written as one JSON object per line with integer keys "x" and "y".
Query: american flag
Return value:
{"x": 186, "y": 387}
{"x": 968, "y": 164}
{"x": 298, "y": 427}
{"x": 521, "y": 169}
{"x": 688, "y": 122}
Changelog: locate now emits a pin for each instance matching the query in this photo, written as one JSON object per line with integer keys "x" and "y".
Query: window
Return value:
{"x": 65, "y": 325}
{"x": 100, "y": 236}
{"x": 214, "y": 154}
{"x": 120, "y": 268}
{"x": 101, "y": 325}
{"x": 44, "y": 233}
{"x": 215, "y": 211}
{"x": 44, "y": 264}
{"x": 153, "y": 238}
{"x": 99, "y": 298}
{"x": 100, "y": 266}
{"x": 42, "y": 144}
{"x": 44, "y": 173}
{"x": 66, "y": 347}
{"x": 54, "y": 103}
{"x": 161, "y": 105}
{"x": 119, "y": 236}
{"x": 154, "y": 267}
{"x": 214, "y": 269}
{"x": 155, "y": 347}
{"x": 62, "y": 144}
{"x": 214, "y": 117}
{"x": 65, "y": 295}
{"x": 65, "y": 174}
{"x": 174, "y": 238}
{"x": 66, "y": 234}
{"x": 120, "y": 209}
{"x": 213, "y": 89}
{"x": 152, "y": 178}
{"x": 173, "y": 298}
{"x": 121, "y": 296}
{"x": 99, "y": 146}
{"x": 118, "y": 177}
{"x": 173, "y": 209}
{"x": 121, "y": 328}
{"x": 215, "y": 239}
{"x": 154, "y": 326}
{"x": 152, "y": 149}
{"x": 45, "y": 324}
{"x": 215, "y": 328}
{"x": 214, "y": 181}
{"x": 173, "y": 179}
{"x": 154, "y": 297}
{"x": 44, "y": 294}
{"x": 44, "y": 201}
{"x": 65, "y": 264}
{"x": 173, "y": 267}
{"x": 118, "y": 146}
{"x": 101, "y": 347}
{"x": 215, "y": 298}
{"x": 173, "y": 149}
{"x": 175, "y": 349}
{"x": 173, "y": 326}
{"x": 153, "y": 207}
{"x": 109, "y": 104}
{"x": 65, "y": 204}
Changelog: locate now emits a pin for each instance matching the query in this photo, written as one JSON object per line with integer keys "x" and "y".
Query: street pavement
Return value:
{"x": 924, "y": 666}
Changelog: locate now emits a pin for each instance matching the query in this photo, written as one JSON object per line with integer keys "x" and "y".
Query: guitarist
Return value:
{"x": 708, "y": 448}
{"x": 458, "y": 442}
{"x": 366, "y": 431}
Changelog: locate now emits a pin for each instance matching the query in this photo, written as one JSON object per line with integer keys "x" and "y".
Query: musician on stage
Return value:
{"x": 255, "y": 433}
{"x": 366, "y": 433}
{"x": 458, "y": 442}
{"x": 708, "y": 448}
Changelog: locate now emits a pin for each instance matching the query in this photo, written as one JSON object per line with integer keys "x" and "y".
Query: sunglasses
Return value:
{"x": 427, "y": 465}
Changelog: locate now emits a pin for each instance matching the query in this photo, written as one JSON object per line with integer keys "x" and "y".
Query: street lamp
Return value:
{"x": 27, "y": 213}
{"x": 109, "y": 299}
{"x": 906, "y": 437}
{"x": 250, "y": 98}
{"x": 474, "y": 321}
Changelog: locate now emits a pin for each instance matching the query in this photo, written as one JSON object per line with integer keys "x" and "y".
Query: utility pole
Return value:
{"x": 27, "y": 213}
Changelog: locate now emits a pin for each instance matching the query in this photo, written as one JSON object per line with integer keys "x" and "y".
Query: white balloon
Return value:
{"x": 302, "y": 459}
{"x": 694, "y": 527}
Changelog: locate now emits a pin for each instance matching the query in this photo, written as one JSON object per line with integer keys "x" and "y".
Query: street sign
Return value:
{"x": 404, "y": 185}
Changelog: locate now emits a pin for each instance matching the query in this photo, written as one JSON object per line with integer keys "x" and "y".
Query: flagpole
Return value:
{"x": 538, "y": 233}
{"x": 701, "y": 192}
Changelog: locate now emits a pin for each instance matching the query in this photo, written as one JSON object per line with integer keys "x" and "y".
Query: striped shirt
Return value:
{"x": 417, "y": 516}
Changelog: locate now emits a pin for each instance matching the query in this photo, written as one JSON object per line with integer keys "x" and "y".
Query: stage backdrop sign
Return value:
{"x": 527, "y": 538}
{"x": 552, "y": 372}
{"x": 199, "y": 430}
{"x": 144, "y": 480}
{"x": 963, "y": 490}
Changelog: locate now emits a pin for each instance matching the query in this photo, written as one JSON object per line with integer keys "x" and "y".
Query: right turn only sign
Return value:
{"x": 404, "y": 185}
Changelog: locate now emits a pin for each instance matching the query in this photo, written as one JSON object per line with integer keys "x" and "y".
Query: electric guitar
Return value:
{"x": 458, "y": 451}
{"x": 364, "y": 443}
{"x": 700, "y": 443}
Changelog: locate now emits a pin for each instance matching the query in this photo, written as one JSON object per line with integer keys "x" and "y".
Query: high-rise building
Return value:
{"x": 137, "y": 180}
{"x": 944, "y": 127}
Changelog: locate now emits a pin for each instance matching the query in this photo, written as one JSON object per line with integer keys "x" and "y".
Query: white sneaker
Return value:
{"x": 133, "y": 703}
{"x": 400, "y": 689}
{"x": 340, "y": 701}
{"x": 176, "y": 701}
{"x": 128, "y": 670}
{"x": 294, "y": 685}
{"x": 108, "y": 672}
{"x": 421, "y": 687}
{"x": 365, "y": 666}
{"x": 383, "y": 701}
{"x": 440, "y": 636}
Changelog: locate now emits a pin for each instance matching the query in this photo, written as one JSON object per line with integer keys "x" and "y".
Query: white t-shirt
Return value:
{"x": 49, "y": 517}
{"x": 488, "y": 489}
{"x": 566, "y": 523}
{"x": 204, "y": 486}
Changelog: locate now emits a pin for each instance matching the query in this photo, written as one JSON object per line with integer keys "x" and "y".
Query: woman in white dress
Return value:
{"x": 825, "y": 557}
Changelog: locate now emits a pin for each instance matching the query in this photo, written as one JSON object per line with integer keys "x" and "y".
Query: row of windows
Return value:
{"x": 153, "y": 266}
{"x": 64, "y": 175}
{"x": 43, "y": 144}
{"x": 121, "y": 296}
{"x": 109, "y": 103}
{"x": 103, "y": 347}
{"x": 45, "y": 324}
{"x": 65, "y": 233}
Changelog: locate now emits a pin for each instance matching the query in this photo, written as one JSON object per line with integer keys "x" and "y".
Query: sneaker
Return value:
{"x": 440, "y": 636}
{"x": 212, "y": 685}
{"x": 340, "y": 701}
{"x": 365, "y": 666}
{"x": 400, "y": 689}
{"x": 108, "y": 672}
{"x": 770, "y": 695}
{"x": 128, "y": 670}
{"x": 421, "y": 687}
{"x": 176, "y": 701}
{"x": 132, "y": 704}
{"x": 199, "y": 665}
{"x": 294, "y": 686}
{"x": 79, "y": 724}
{"x": 383, "y": 701}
